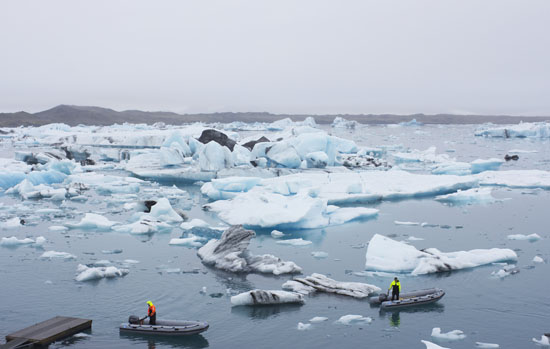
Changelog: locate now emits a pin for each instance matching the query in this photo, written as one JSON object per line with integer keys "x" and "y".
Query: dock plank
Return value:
{"x": 51, "y": 330}
{"x": 14, "y": 343}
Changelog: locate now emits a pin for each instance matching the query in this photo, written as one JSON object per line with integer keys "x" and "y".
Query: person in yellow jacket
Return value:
{"x": 395, "y": 286}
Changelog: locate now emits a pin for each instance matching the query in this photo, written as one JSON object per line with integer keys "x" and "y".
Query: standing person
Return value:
{"x": 152, "y": 313}
{"x": 395, "y": 286}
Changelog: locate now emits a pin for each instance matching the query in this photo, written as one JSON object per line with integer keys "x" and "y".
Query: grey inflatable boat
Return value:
{"x": 164, "y": 327}
{"x": 409, "y": 298}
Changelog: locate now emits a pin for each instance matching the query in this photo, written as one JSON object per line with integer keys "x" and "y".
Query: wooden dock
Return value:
{"x": 46, "y": 332}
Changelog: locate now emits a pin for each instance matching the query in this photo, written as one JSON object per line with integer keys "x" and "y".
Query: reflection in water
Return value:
{"x": 192, "y": 341}
{"x": 264, "y": 311}
{"x": 395, "y": 319}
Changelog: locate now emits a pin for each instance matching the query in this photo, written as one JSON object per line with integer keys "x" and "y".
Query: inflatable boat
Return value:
{"x": 409, "y": 298}
{"x": 164, "y": 327}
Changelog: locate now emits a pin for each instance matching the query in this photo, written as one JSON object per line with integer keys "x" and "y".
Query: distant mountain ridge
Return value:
{"x": 76, "y": 115}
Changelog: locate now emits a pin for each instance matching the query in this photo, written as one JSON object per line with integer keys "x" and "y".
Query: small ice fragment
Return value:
{"x": 203, "y": 290}
{"x": 11, "y": 223}
{"x": 295, "y": 242}
{"x": 115, "y": 251}
{"x": 413, "y": 238}
{"x": 449, "y": 336}
{"x": 538, "y": 259}
{"x": 430, "y": 345}
{"x": 277, "y": 234}
{"x": 191, "y": 241}
{"x": 530, "y": 237}
{"x": 40, "y": 241}
{"x": 57, "y": 228}
{"x": 544, "y": 340}
{"x": 353, "y": 319}
{"x": 48, "y": 282}
{"x": 86, "y": 273}
{"x": 319, "y": 254}
{"x": 81, "y": 335}
{"x": 13, "y": 241}
{"x": 317, "y": 319}
{"x": 55, "y": 254}
{"x": 130, "y": 261}
{"x": 194, "y": 223}
{"x": 406, "y": 223}
{"x": 303, "y": 327}
{"x": 486, "y": 345}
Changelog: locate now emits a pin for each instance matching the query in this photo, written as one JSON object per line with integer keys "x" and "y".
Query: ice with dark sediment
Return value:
{"x": 319, "y": 282}
{"x": 266, "y": 297}
{"x": 387, "y": 255}
{"x": 231, "y": 253}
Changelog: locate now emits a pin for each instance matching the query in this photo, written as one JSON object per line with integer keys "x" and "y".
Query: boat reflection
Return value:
{"x": 152, "y": 341}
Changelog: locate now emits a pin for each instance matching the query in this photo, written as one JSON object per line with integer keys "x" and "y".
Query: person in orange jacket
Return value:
{"x": 152, "y": 313}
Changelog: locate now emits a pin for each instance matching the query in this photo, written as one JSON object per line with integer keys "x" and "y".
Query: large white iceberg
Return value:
{"x": 86, "y": 273}
{"x": 230, "y": 253}
{"x": 522, "y": 130}
{"x": 385, "y": 254}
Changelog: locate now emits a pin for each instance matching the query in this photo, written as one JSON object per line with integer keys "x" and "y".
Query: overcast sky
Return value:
{"x": 482, "y": 56}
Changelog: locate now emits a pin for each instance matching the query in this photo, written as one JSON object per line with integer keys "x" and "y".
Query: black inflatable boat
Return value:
{"x": 409, "y": 298}
{"x": 164, "y": 327}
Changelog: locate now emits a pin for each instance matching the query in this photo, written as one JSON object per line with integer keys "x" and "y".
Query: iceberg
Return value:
{"x": 190, "y": 241}
{"x": 294, "y": 242}
{"x": 353, "y": 319}
{"x": 522, "y": 130}
{"x": 92, "y": 221}
{"x": 481, "y": 165}
{"x": 321, "y": 283}
{"x": 340, "y": 122}
{"x": 430, "y": 345}
{"x": 317, "y": 319}
{"x": 385, "y": 254}
{"x": 277, "y": 234}
{"x": 230, "y": 253}
{"x": 163, "y": 211}
{"x": 55, "y": 254}
{"x": 12, "y": 223}
{"x": 487, "y": 345}
{"x": 146, "y": 225}
{"x": 13, "y": 241}
{"x": 538, "y": 259}
{"x": 86, "y": 273}
{"x": 264, "y": 297}
{"x": 530, "y": 237}
{"x": 530, "y": 179}
{"x": 543, "y": 341}
{"x": 468, "y": 197}
{"x": 319, "y": 254}
{"x": 303, "y": 327}
{"x": 448, "y": 336}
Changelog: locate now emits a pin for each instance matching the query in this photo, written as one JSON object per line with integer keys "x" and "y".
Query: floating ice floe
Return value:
{"x": 405, "y": 223}
{"x": 264, "y": 297}
{"x": 55, "y": 254}
{"x": 230, "y": 253}
{"x": 190, "y": 241}
{"x": 93, "y": 221}
{"x": 14, "y": 241}
{"x": 385, "y": 254}
{"x": 340, "y": 122}
{"x": 319, "y": 254}
{"x": 522, "y": 130}
{"x": 144, "y": 226}
{"x": 448, "y": 336}
{"x": 468, "y": 197}
{"x": 86, "y": 273}
{"x": 11, "y": 223}
{"x": 414, "y": 238}
{"x": 267, "y": 210}
{"x": 530, "y": 179}
{"x": 27, "y": 190}
{"x": 486, "y": 345}
{"x": 531, "y": 237}
{"x": 353, "y": 319}
{"x": 294, "y": 242}
{"x": 321, "y": 283}
{"x": 277, "y": 234}
{"x": 506, "y": 271}
{"x": 318, "y": 319}
{"x": 303, "y": 327}
{"x": 10, "y": 179}
{"x": 426, "y": 156}
{"x": 538, "y": 259}
{"x": 543, "y": 341}
{"x": 430, "y": 345}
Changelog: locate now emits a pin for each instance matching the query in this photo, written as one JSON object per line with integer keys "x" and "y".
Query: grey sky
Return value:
{"x": 482, "y": 56}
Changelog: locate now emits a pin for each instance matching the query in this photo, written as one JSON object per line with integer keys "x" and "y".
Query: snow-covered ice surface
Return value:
{"x": 129, "y": 191}
{"x": 385, "y": 254}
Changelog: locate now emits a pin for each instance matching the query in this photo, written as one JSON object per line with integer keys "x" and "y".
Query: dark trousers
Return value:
{"x": 395, "y": 293}
{"x": 153, "y": 319}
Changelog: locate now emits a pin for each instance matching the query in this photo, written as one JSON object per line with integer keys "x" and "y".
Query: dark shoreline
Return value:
{"x": 76, "y": 115}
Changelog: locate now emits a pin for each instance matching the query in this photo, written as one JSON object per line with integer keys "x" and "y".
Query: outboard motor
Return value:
{"x": 133, "y": 319}
{"x": 383, "y": 297}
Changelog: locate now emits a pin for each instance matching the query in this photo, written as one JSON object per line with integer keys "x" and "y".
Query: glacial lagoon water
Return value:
{"x": 508, "y": 311}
